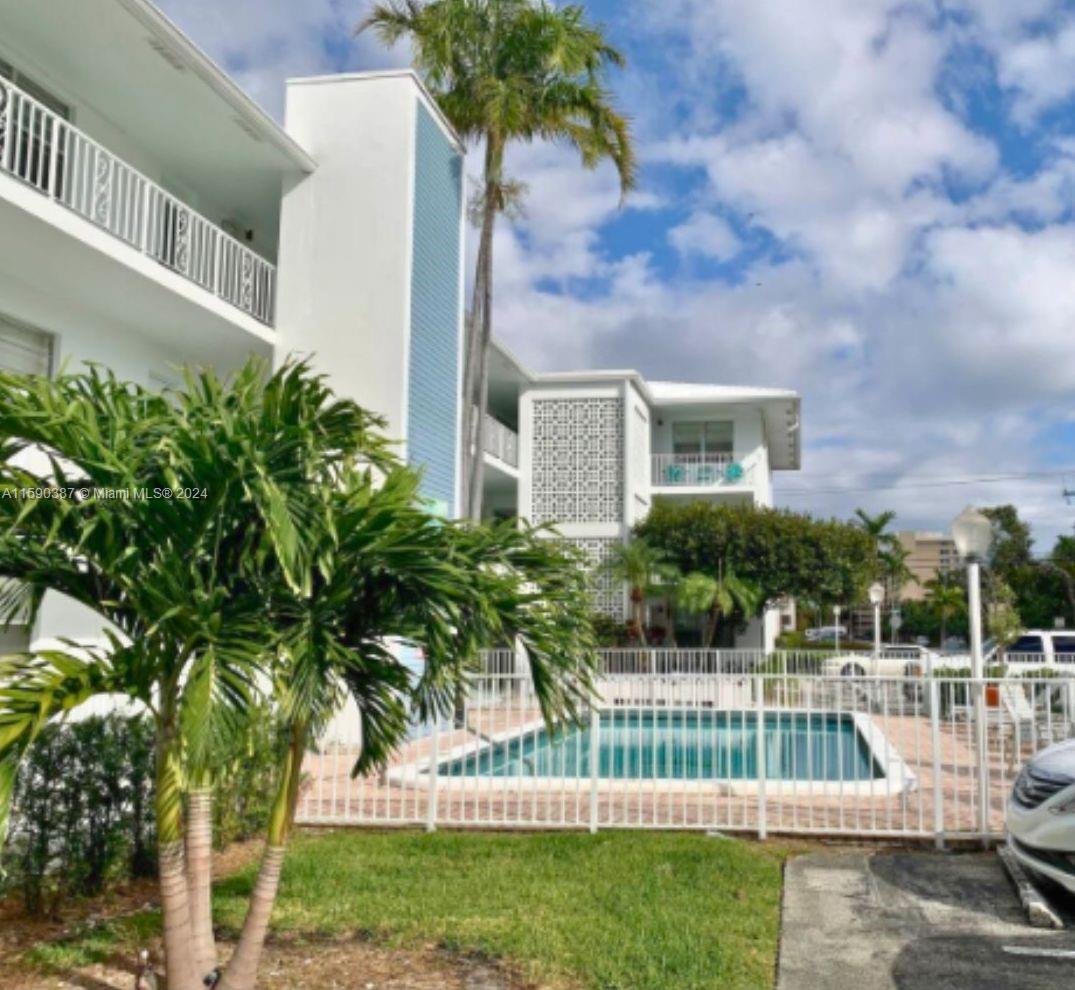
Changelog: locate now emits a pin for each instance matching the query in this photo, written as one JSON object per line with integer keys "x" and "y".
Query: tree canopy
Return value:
{"x": 777, "y": 551}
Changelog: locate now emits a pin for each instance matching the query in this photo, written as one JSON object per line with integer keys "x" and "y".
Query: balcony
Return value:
{"x": 697, "y": 471}
{"x": 500, "y": 441}
{"x": 51, "y": 156}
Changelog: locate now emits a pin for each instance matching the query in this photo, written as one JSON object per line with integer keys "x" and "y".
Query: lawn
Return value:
{"x": 615, "y": 911}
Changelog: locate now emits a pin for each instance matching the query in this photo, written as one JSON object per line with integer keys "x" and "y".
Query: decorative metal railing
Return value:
{"x": 697, "y": 470}
{"x": 58, "y": 160}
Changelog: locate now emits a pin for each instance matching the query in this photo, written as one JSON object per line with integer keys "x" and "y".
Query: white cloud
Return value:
{"x": 705, "y": 234}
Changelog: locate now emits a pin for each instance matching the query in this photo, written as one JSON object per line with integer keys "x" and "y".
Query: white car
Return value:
{"x": 825, "y": 634}
{"x": 893, "y": 661}
{"x": 1036, "y": 649}
{"x": 1041, "y": 814}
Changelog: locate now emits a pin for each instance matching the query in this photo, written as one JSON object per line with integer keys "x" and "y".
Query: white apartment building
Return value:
{"x": 154, "y": 216}
{"x": 591, "y": 450}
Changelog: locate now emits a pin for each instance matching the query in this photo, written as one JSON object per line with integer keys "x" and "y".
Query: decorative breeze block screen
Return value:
{"x": 606, "y": 590}
{"x": 577, "y": 462}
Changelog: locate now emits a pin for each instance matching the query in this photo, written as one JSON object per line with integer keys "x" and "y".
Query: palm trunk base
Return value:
{"x": 242, "y": 970}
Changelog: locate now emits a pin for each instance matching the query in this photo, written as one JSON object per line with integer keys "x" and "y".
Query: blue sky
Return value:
{"x": 868, "y": 201}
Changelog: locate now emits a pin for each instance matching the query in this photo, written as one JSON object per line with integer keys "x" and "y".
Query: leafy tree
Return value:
{"x": 646, "y": 571}
{"x": 505, "y": 71}
{"x": 713, "y": 597}
{"x": 286, "y": 580}
{"x": 1003, "y": 621}
{"x": 1012, "y": 542}
{"x": 779, "y": 552}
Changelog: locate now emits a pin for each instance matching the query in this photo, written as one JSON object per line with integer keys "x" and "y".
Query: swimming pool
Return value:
{"x": 683, "y": 745}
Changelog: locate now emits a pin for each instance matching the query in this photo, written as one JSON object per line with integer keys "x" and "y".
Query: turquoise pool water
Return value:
{"x": 684, "y": 745}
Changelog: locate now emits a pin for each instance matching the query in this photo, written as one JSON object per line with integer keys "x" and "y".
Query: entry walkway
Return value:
{"x": 860, "y": 920}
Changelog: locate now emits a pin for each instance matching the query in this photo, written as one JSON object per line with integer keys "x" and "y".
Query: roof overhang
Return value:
{"x": 171, "y": 105}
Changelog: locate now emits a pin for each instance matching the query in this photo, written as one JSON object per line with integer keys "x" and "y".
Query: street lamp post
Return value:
{"x": 972, "y": 533}
{"x": 836, "y": 618}
{"x": 877, "y": 596}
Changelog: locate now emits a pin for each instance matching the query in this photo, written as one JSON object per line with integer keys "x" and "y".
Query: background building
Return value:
{"x": 929, "y": 554}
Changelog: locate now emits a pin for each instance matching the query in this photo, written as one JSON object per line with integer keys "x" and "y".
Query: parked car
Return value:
{"x": 1041, "y": 814}
{"x": 903, "y": 660}
{"x": 1038, "y": 648}
{"x": 825, "y": 634}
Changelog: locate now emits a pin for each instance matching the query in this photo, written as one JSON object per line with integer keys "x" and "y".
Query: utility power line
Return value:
{"x": 933, "y": 482}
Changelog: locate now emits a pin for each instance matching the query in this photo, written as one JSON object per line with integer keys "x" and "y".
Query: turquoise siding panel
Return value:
{"x": 433, "y": 385}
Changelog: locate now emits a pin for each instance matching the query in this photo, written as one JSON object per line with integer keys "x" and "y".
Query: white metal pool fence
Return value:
{"x": 737, "y": 742}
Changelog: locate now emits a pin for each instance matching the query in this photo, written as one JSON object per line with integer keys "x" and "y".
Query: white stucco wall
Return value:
{"x": 345, "y": 252}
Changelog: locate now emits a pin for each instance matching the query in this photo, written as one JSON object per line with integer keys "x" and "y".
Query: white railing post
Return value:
{"x": 595, "y": 763}
{"x": 935, "y": 742}
{"x": 218, "y": 262}
{"x": 759, "y": 691}
{"x": 54, "y": 156}
{"x": 434, "y": 774}
{"x": 147, "y": 205}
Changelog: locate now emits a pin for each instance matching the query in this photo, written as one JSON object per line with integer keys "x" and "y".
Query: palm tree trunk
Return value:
{"x": 179, "y": 958}
{"x": 482, "y": 325}
{"x": 242, "y": 969}
{"x": 711, "y": 628}
{"x": 200, "y": 876}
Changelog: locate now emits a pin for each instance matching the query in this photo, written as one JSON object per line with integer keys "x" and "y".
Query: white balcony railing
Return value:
{"x": 500, "y": 441}
{"x": 697, "y": 470}
{"x": 42, "y": 149}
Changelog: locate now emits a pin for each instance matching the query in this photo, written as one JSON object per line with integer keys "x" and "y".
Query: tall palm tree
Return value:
{"x": 944, "y": 600}
{"x": 713, "y": 597}
{"x": 287, "y": 576}
{"x": 505, "y": 71}
{"x": 644, "y": 569}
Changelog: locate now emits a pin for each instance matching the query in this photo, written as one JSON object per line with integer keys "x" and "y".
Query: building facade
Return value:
{"x": 155, "y": 217}
{"x": 928, "y": 556}
{"x": 590, "y": 451}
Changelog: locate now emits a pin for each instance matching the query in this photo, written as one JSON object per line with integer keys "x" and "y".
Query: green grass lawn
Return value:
{"x": 615, "y": 911}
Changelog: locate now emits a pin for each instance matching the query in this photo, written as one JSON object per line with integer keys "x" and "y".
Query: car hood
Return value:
{"x": 1056, "y": 760}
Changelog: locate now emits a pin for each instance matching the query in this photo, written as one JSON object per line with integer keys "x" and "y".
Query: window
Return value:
{"x": 1064, "y": 649}
{"x": 1027, "y": 644}
{"x": 712, "y": 437}
{"x": 24, "y": 349}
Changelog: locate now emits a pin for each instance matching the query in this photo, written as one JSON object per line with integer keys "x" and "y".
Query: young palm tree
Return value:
{"x": 944, "y": 599}
{"x": 711, "y": 598}
{"x": 504, "y": 71}
{"x": 643, "y": 569}
{"x": 291, "y": 572}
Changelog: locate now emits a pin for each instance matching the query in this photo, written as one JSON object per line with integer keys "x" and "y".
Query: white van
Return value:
{"x": 1037, "y": 648}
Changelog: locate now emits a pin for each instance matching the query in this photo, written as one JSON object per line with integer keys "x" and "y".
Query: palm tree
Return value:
{"x": 894, "y": 570}
{"x": 876, "y": 527}
{"x": 944, "y": 600}
{"x": 644, "y": 569}
{"x": 504, "y": 71}
{"x": 288, "y": 577}
{"x": 712, "y": 597}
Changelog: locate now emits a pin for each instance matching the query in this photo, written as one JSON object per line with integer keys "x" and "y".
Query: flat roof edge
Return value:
{"x": 401, "y": 73}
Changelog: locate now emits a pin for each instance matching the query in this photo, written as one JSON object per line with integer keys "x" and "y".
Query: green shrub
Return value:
{"x": 82, "y": 811}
